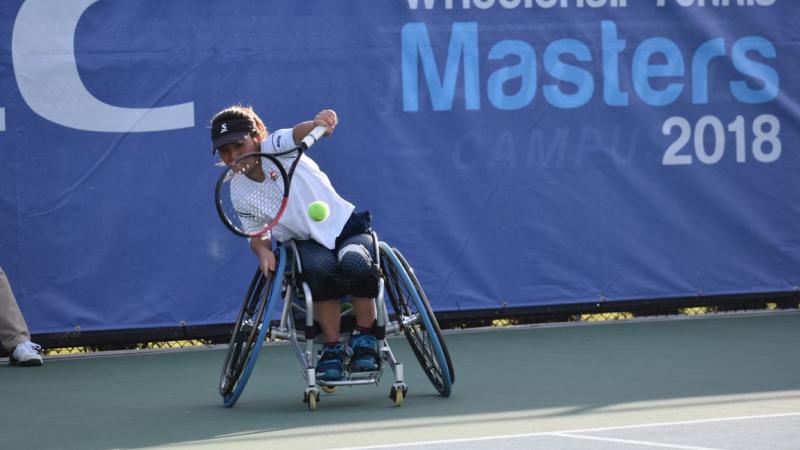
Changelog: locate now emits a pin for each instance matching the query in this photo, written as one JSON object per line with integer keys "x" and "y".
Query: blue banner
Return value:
{"x": 518, "y": 152}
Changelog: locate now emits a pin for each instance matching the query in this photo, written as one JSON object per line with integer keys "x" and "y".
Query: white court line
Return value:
{"x": 682, "y": 422}
{"x": 583, "y": 430}
{"x": 629, "y": 441}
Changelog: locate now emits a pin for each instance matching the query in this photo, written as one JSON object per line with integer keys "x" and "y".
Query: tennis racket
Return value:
{"x": 252, "y": 193}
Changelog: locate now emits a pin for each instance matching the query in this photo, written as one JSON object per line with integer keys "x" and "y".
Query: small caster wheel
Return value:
{"x": 328, "y": 389}
{"x": 312, "y": 403}
{"x": 398, "y": 397}
{"x": 311, "y": 399}
{"x": 398, "y": 394}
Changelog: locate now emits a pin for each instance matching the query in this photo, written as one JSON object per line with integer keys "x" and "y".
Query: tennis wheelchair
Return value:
{"x": 411, "y": 315}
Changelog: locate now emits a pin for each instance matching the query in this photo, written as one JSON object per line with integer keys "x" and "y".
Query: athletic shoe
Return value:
{"x": 364, "y": 356}
{"x": 330, "y": 366}
{"x": 26, "y": 354}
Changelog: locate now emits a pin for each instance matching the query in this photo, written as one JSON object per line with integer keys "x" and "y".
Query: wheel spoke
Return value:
{"x": 405, "y": 295}
{"x": 244, "y": 335}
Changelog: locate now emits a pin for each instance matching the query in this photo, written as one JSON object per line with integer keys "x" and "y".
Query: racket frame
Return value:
{"x": 223, "y": 178}
{"x": 305, "y": 143}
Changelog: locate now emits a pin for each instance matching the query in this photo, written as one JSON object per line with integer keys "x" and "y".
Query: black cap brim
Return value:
{"x": 230, "y": 138}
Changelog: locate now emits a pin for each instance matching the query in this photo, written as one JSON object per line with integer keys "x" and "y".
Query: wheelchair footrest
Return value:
{"x": 351, "y": 382}
{"x": 354, "y": 378}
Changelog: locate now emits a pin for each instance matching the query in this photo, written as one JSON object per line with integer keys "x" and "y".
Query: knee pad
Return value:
{"x": 354, "y": 259}
{"x": 360, "y": 273}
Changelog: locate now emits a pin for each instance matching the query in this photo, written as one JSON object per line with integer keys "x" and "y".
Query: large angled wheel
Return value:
{"x": 249, "y": 332}
{"x": 415, "y": 317}
{"x": 434, "y": 322}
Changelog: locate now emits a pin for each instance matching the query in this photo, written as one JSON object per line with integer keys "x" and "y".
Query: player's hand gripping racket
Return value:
{"x": 253, "y": 192}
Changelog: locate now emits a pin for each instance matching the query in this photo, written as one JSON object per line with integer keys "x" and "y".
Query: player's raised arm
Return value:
{"x": 326, "y": 118}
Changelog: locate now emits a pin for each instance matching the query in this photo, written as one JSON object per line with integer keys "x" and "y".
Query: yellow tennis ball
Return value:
{"x": 318, "y": 211}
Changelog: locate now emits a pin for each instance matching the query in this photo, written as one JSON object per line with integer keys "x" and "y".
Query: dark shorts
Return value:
{"x": 348, "y": 269}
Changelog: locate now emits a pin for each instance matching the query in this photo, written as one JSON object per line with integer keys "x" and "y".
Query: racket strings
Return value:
{"x": 253, "y": 194}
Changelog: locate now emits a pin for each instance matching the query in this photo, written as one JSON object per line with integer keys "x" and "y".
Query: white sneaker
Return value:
{"x": 26, "y": 354}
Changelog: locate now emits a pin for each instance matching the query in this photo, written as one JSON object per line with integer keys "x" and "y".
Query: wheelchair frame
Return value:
{"x": 412, "y": 316}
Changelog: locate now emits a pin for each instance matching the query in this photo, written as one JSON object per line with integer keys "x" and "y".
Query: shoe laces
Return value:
{"x": 363, "y": 340}
{"x": 332, "y": 351}
{"x": 31, "y": 347}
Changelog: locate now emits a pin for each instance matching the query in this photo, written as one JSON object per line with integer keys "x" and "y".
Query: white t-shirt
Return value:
{"x": 309, "y": 184}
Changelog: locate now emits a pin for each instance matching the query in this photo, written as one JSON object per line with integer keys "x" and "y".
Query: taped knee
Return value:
{"x": 354, "y": 260}
{"x": 359, "y": 274}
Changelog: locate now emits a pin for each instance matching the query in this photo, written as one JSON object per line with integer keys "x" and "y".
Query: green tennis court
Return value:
{"x": 539, "y": 381}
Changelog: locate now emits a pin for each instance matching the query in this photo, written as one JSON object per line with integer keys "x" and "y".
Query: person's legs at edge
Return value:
{"x": 14, "y": 334}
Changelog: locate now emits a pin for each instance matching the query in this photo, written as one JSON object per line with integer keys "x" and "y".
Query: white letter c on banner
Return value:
{"x": 43, "y": 53}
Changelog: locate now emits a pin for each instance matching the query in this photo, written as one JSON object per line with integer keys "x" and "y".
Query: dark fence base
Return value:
{"x": 220, "y": 333}
{"x": 609, "y": 310}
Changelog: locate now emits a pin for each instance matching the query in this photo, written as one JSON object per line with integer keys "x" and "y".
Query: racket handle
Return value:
{"x": 313, "y": 137}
